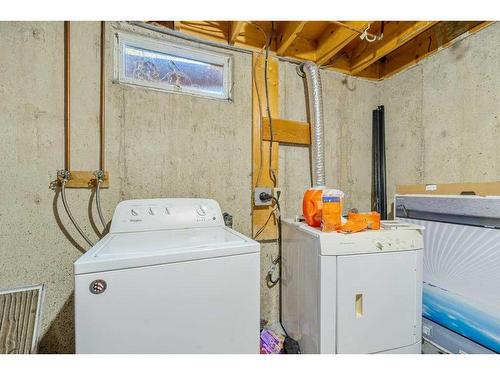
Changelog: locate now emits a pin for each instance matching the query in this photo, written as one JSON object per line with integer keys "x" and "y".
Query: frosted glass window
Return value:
{"x": 165, "y": 66}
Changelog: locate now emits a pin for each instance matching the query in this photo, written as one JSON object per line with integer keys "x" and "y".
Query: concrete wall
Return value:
{"x": 157, "y": 145}
{"x": 442, "y": 116}
{"x": 442, "y": 125}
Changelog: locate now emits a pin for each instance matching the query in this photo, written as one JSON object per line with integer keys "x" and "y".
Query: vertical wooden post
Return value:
{"x": 261, "y": 176}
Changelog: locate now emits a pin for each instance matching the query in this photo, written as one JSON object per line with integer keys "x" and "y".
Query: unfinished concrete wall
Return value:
{"x": 442, "y": 116}
{"x": 158, "y": 145}
{"x": 442, "y": 126}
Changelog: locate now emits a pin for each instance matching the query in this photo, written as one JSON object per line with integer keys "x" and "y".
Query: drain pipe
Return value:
{"x": 310, "y": 72}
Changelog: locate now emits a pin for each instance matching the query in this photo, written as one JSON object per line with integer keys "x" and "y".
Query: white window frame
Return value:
{"x": 161, "y": 46}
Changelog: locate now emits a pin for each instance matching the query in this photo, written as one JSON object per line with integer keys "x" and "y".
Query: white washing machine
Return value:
{"x": 353, "y": 293}
{"x": 168, "y": 278}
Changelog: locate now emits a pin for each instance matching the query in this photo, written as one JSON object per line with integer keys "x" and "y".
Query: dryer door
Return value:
{"x": 379, "y": 301}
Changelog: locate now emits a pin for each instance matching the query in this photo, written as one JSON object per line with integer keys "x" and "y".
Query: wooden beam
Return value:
{"x": 261, "y": 173}
{"x": 336, "y": 38}
{"x": 85, "y": 180}
{"x": 288, "y": 34}
{"x": 216, "y": 31}
{"x": 430, "y": 41}
{"x": 177, "y": 25}
{"x": 287, "y": 131}
{"x": 236, "y": 27}
{"x": 392, "y": 40}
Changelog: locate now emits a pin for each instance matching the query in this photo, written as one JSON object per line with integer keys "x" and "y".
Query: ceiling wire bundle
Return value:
{"x": 364, "y": 34}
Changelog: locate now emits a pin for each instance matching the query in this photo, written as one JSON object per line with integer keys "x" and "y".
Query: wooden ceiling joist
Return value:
{"x": 425, "y": 44}
{"x": 337, "y": 45}
{"x": 288, "y": 33}
{"x": 390, "y": 42}
{"x": 336, "y": 38}
{"x": 236, "y": 27}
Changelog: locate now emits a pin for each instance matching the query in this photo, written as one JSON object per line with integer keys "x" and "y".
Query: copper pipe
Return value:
{"x": 67, "y": 96}
{"x": 102, "y": 108}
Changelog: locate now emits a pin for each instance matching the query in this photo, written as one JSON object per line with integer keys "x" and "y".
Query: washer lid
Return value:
{"x": 136, "y": 249}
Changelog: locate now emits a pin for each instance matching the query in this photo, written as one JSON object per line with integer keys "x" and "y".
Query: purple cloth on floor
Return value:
{"x": 271, "y": 342}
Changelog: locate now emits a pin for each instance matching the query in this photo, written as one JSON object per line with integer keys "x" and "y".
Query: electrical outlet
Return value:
{"x": 256, "y": 196}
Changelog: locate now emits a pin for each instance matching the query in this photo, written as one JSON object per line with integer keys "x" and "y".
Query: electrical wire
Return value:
{"x": 278, "y": 262}
{"x": 261, "y": 229}
{"x": 272, "y": 174}
{"x": 277, "y": 210}
{"x": 266, "y": 47}
{"x": 260, "y": 114}
{"x": 70, "y": 215}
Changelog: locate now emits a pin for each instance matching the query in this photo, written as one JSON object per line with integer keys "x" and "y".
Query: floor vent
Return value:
{"x": 20, "y": 311}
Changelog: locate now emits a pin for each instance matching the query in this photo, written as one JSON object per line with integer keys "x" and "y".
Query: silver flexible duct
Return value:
{"x": 310, "y": 71}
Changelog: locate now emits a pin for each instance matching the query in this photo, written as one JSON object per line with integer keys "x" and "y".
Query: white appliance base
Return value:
{"x": 411, "y": 349}
{"x": 202, "y": 306}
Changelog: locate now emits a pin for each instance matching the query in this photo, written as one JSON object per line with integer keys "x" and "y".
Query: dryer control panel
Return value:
{"x": 165, "y": 213}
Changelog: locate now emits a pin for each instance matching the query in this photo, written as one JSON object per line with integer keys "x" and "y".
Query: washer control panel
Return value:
{"x": 165, "y": 213}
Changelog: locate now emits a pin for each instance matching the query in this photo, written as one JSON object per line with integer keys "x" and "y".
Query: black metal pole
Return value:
{"x": 375, "y": 162}
{"x": 383, "y": 181}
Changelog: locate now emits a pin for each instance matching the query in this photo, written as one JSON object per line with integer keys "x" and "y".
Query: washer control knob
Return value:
{"x": 150, "y": 211}
{"x": 134, "y": 212}
{"x": 201, "y": 210}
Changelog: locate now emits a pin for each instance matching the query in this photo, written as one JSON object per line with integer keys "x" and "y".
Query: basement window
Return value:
{"x": 165, "y": 66}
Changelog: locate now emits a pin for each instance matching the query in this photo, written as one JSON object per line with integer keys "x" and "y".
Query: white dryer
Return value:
{"x": 353, "y": 293}
{"x": 168, "y": 278}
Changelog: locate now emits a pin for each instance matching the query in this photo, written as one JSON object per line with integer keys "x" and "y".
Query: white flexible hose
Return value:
{"x": 70, "y": 215}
